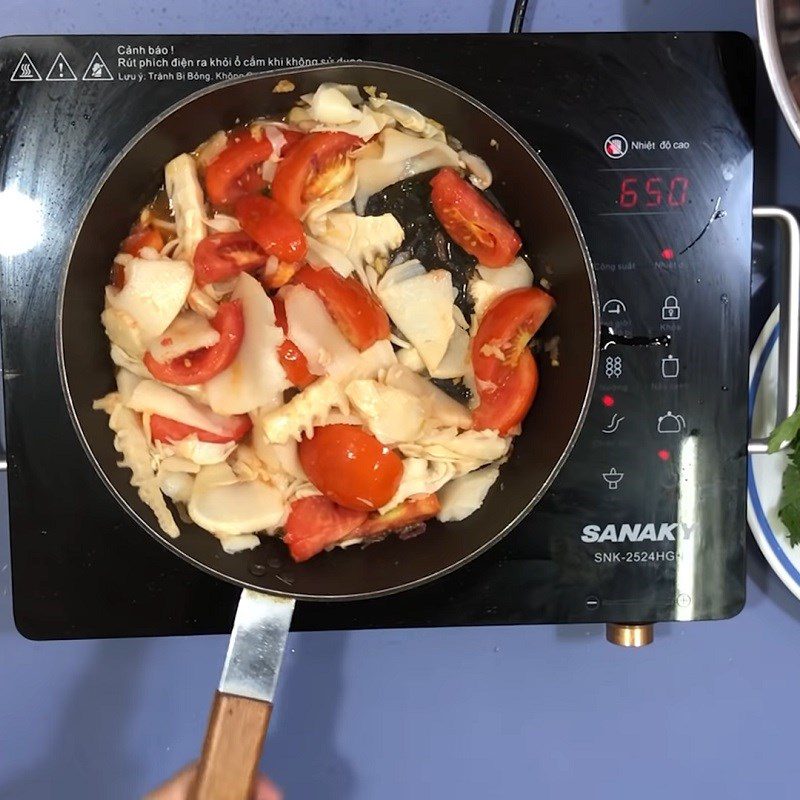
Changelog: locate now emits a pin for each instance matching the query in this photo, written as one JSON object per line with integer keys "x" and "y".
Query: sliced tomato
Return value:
{"x": 358, "y": 314}
{"x": 294, "y": 363}
{"x": 292, "y": 137}
{"x": 351, "y": 467}
{"x": 233, "y": 173}
{"x": 224, "y": 255}
{"x": 141, "y": 237}
{"x": 251, "y": 181}
{"x": 506, "y": 375}
{"x": 472, "y": 221}
{"x": 315, "y": 523}
{"x": 506, "y": 405}
{"x": 312, "y": 167}
{"x": 277, "y": 231}
{"x": 416, "y": 509}
{"x": 163, "y": 429}
{"x": 202, "y": 365}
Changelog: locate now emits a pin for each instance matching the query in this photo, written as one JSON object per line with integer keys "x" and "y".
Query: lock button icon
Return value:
{"x": 671, "y": 309}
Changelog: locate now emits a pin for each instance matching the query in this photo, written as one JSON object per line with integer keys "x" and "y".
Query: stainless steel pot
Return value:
{"x": 779, "y": 38}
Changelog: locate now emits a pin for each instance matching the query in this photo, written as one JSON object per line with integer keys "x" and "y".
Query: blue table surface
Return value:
{"x": 711, "y": 709}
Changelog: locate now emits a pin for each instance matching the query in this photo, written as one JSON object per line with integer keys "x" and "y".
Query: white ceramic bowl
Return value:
{"x": 765, "y": 472}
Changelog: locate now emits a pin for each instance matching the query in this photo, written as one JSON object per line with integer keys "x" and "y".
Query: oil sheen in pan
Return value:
{"x": 425, "y": 239}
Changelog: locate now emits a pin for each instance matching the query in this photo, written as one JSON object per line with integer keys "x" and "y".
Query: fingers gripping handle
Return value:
{"x": 232, "y": 748}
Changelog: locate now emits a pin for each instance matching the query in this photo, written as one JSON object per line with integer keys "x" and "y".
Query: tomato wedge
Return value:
{"x": 351, "y": 467}
{"x": 472, "y": 221}
{"x": 410, "y": 512}
{"x": 505, "y": 370}
{"x": 292, "y": 137}
{"x": 202, "y": 365}
{"x": 506, "y": 405}
{"x": 141, "y": 237}
{"x": 224, "y": 255}
{"x": 358, "y": 314}
{"x": 294, "y": 363}
{"x": 251, "y": 181}
{"x": 312, "y": 167}
{"x": 233, "y": 173}
{"x": 163, "y": 429}
{"x": 278, "y": 232}
{"x": 315, "y": 523}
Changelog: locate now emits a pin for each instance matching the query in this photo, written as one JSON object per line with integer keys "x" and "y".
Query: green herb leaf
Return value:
{"x": 790, "y": 517}
{"x": 791, "y": 485}
{"x": 789, "y": 511}
{"x": 787, "y": 431}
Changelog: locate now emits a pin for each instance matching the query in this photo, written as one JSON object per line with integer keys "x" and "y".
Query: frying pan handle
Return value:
{"x": 232, "y": 749}
{"x": 789, "y": 342}
{"x": 243, "y": 705}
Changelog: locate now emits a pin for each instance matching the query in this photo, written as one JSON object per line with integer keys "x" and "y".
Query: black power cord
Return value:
{"x": 518, "y": 16}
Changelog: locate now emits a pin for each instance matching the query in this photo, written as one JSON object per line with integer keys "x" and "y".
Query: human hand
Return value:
{"x": 177, "y": 787}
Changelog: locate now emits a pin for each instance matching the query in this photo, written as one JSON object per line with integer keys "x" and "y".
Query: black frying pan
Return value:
{"x": 528, "y": 193}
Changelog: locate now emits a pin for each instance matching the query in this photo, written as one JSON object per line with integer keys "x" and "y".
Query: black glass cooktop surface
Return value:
{"x": 651, "y": 137}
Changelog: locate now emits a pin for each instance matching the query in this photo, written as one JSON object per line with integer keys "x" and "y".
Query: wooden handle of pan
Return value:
{"x": 232, "y": 748}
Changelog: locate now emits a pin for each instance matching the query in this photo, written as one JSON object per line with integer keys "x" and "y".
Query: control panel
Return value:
{"x": 642, "y": 515}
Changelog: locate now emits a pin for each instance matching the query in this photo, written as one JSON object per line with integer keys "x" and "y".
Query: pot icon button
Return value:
{"x": 671, "y": 423}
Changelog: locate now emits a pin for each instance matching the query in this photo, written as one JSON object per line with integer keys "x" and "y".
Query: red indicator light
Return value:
{"x": 668, "y": 254}
{"x": 608, "y": 400}
{"x": 663, "y": 455}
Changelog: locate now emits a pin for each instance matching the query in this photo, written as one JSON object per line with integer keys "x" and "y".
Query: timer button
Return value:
{"x": 614, "y": 307}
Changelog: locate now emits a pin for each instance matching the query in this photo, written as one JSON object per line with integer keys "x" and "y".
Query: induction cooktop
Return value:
{"x": 651, "y": 137}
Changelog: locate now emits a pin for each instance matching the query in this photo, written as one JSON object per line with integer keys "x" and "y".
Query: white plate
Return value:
{"x": 765, "y": 472}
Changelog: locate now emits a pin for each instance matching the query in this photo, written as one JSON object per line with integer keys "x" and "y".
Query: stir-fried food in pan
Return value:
{"x": 291, "y": 360}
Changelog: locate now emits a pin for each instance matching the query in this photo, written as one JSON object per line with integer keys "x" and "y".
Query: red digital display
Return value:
{"x": 644, "y": 191}
{"x": 654, "y": 192}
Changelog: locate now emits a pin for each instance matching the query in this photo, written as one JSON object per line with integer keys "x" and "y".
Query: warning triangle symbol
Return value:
{"x": 61, "y": 70}
{"x": 97, "y": 70}
{"x": 25, "y": 70}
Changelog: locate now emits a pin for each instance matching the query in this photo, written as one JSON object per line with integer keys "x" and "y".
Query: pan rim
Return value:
{"x": 162, "y": 538}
